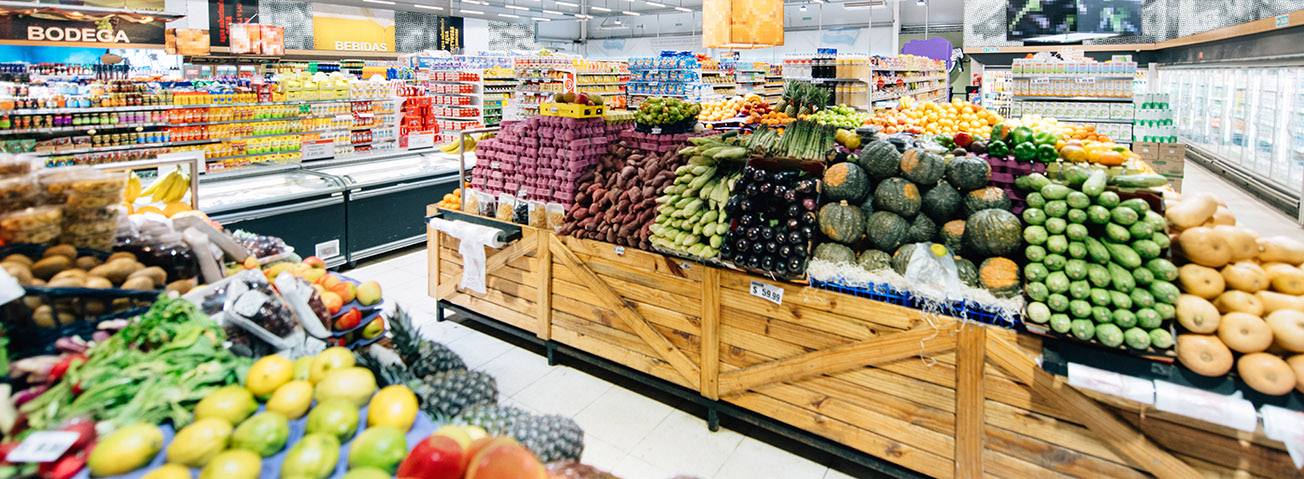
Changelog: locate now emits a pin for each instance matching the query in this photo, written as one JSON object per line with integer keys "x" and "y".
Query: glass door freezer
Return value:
{"x": 386, "y": 198}
{"x": 303, "y": 208}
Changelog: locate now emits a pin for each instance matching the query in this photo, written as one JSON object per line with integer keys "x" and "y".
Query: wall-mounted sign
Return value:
{"x": 336, "y": 27}
{"x": 742, "y": 23}
{"x": 450, "y": 34}
{"x": 222, "y": 13}
{"x": 56, "y": 29}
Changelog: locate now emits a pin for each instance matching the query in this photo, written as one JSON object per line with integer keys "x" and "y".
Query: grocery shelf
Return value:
{"x": 1073, "y": 77}
{"x": 603, "y": 83}
{"x": 48, "y": 111}
{"x": 916, "y": 92}
{"x": 1095, "y": 120}
{"x": 22, "y": 131}
{"x": 607, "y": 73}
{"x": 1075, "y": 98}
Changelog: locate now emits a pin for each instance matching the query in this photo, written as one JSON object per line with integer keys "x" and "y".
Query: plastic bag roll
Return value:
{"x": 473, "y": 239}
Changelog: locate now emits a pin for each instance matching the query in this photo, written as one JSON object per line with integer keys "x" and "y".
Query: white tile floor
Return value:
{"x": 636, "y": 437}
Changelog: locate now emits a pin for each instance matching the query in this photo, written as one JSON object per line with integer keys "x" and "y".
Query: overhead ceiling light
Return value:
{"x": 583, "y": 16}
{"x": 538, "y": 19}
{"x": 553, "y": 12}
{"x": 874, "y": 3}
{"x": 382, "y": 2}
{"x": 429, "y": 7}
{"x": 600, "y": 9}
{"x": 922, "y": 2}
{"x": 516, "y": 7}
{"x": 473, "y": 12}
{"x": 568, "y": 4}
{"x": 508, "y": 15}
{"x": 682, "y": 9}
{"x": 474, "y": 2}
{"x": 655, "y": 4}
{"x": 803, "y": 8}
{"x": 627, "y": 12}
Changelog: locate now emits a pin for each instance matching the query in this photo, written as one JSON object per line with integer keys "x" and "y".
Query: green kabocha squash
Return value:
{"x": 886, "y": 231}
{"x": 968, "y": 272}
{"x": 842, "y": 222}
{"x": 845, "y": 181}
{"x": 874, "y": 260}
{"x": 880, "y": 160}
{"x": 922, "y": 167}
{"x": 993, "y": 232}
{"x": 952, "y": 235}
{"x": 834, "y": 253}
{"x": 1000, "y": 276}
{"x": 901, "y": 258}
{"x": 968, "y": 172}
{"x": 899, "y": 196}
{"x": 942, "y": 202}
{"x": 922, "y": 230}
{"x": 986, "y": 198}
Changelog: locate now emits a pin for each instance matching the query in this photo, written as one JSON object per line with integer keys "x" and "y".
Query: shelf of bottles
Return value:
{"x": 751, "y": 77}
{"x": 70, "y": 115}
{"x": 773, "y": 86}
{"x": 538, "y": 78}
{"x": 609, "y": 79}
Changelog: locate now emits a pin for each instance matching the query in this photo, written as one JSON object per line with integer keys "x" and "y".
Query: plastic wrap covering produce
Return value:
{"x": 155, "y": 243}
{"x": 255, "y": 317}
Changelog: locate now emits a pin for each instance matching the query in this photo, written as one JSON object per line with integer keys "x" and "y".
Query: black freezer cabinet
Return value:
{"x": 306, "y": 209}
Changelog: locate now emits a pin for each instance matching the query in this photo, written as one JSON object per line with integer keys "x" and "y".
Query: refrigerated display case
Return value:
{"x": 304, "y": 208}
{"x": 1247, "y": 123}
{"x": 386, "y": 198}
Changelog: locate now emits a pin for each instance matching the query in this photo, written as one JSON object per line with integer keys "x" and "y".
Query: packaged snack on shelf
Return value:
{"x": 17, "y": 193}
{"x": 538, "y": 214}
{"x": 487, "y": 204}
{"x": 255, "y": 317}
{"x": 556, "y": 216}
{"x": 506, "y": 207}
{"x": 14, "y": 165}
{"x": 36, "y": 225}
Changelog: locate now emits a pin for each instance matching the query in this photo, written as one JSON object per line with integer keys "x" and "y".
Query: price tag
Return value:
{"x": 1230, "y": 411}
{"x": 991, "y": 49}
{"x": 42, "y": 446}
{"x": 316, "y": 149}
{"x": 620, "y": 250}
{"x": 768, "y": 292}
{"x": 1109, "y": 382}
{"x": 1087, "y": 80}
{"x": 421, "y": 140}
{"x": 656, "y": 130}
{"x": 1040, "y": 81}
{"x": 493, "y": 165}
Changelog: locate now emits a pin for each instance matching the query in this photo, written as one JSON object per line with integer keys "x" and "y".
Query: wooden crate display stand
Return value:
{"x": 943, "y": 397}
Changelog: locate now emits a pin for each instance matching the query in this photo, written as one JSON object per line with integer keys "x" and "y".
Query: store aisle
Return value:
{"x": 626, "y": 433}
{"x": 1249, "y": 211}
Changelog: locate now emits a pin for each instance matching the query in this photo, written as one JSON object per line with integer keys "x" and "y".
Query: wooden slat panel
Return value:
{"x": 1048, "y": 429}
{"x": 1056, "y": 457}
{"x": 496, "y": 260}
{"x": 1002, "y": 465}
{"x": 1213, "y": 448}
{"x": 543, "y": 287}
{"x": 969, "y": 401}
{"x": 636, "y": 259}
{"x": 633, "y": 292}
{"x": 710, "y": 350}
{"x": 803, "y": 301}
{"x": 577, "y": 298}
{"x": 611, "y": 345}
{"x": 521, "y": 320}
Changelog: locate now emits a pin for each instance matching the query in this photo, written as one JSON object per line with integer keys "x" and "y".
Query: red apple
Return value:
{"x": 315, "y": 262}
{"x": 435, "y": 457}
{"x": 582, "y": 99}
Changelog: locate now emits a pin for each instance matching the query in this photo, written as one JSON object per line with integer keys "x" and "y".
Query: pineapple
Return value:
{"x": 493, "y": 419}
{"x": 552, "y": 438}
{"x": 423, "y": 356}
{"x": 447, "y": 393}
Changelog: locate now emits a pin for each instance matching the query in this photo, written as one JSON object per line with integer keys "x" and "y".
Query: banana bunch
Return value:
{"x": 690, "y": 216}
{"x": 133, "y": 188}
{"x": 171, "y": 188}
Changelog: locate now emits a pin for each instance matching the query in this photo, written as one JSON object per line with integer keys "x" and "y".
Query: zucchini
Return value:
{"x": 1057, "y": 302}
{"x": 1147, "y": 318}
{"x": 1061, "y": 323}
{"x": 1083, "y": 329}
{"x": 1077, "y": 250}
{"x": 1123, "y": 255}
{"x": 1161, "y": 338}
{"x": 1057, "y": 282}
{"x": 1156, "y": 221}
{"x": 1139, "y": 181}
{"x": 1160, "y": 238}
{"x": 1117, "y": 234}
{"x": 1123, "y": 215}
{"x": 1055, "y": 225}
{"x": 1056, "y": 208}
{"x": 1057, "y": 244}
{"x": 1077, "y": 216}
{"x": 1035, "y": 200}
{"x": 1146, "y": 249}
{"x": 1162, "y": 268}
{"x": 1035, "y": 181}
{"x": 1121, "y": 278}
{"x": 1108, "y": 199}
{"x": 1054, "y": 192}
{"x": 1095, "y": 184}
{"x": 1164, "y": 292}
{"x": 1076, "y": 232}
{"x": 1098, "y": 214}
{"x": 1075, "y": 175}
{"x": 1137, "y": 338}
{"x": 1138, "y": 205}
{"x": 1120, "y": 300}
{"x": 1038, "y": 312}
{"x": 1097, "y": 250}
{"x": 1080, "y": 289}
{"x": 1077, "y": 199}
{"x": 1109, "y": 335}
{"x": 1165, "y": 310}
{"x": 1124, "y": 318}
{"x": 1141, "y": 229}
{"x": 1099, "y": 296}
{"x": 1035, "y": 272}
{"x": 1034, "y": 253}
{"x": 1055, "y": 262}
{"x": 1143, "y": 276}
{"x": 1037, "y": 291}
{"x": 1035, "y": 235}
{"x": 1034, "y": 216}
{"x": 1076, "y": 269}
{"x": 1079, "y": 308}
{"x": 1098, "y": 275}
{"x": 1142, "y": 298}
{"x": 1100, "y": 314}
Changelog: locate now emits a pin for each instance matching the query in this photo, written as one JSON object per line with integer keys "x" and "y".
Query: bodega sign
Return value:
{"x": 27, "y": 28}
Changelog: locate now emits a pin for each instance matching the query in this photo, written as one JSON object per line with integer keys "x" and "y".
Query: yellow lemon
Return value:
{"x": 291, "y": 399}
{"x": 394, "y": 406}
{"x": 269, "y": 373}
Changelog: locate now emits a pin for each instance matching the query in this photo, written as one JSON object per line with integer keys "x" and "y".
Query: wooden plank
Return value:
{"x": 604, "y": 342}
{"x": 1213, "y": 471}
{"x": 604, "y": 266}
{"x": 565, "y": 298}
{"x": 1119, "y": 404}
{"x": 1001, "y": 465}
{"x": 710, "y": 362}
{"x": 517, "y": 296}
{"x": 787, "y": 332}
{"x": 969, "y": 440}
{"x": 1055, "y": 457}
{"x": 1217, "y": 449}
{"x": 883, "y": 349}
{"x": 515, "y": 318}
{"x": 850, "y": 435}
{"x": 689, "y": 305}
{"x": 527, "y": 243}
{"x": 801, "y": 301}
{"x": 1125, "y": 440}
{"x": 615, "y": 302}
{"x": 432, "y": 260}
{"x": 510, "y": 272}
{"x": 1048, "y": 429}
{"x": 544, "y": 288}
{"x": 864, "y": 415}
{"x": 636, "y": 259}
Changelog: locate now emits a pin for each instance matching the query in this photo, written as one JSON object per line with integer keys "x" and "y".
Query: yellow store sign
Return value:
{"x": 336, "y": 27}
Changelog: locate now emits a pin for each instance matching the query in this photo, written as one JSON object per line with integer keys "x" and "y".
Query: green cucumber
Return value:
{"x": 1123, "y": 215}
{"x": 1055, "y": 192}
{"x": 1098, "y": 275}
{"x": 1100, "y": 297}
{"x": 1061, "y": 323}
{"x": 1121, "y": 278}
{"x": 1056, "y": 225}
{"x": 1162, "y": 268}
{"x": 1038, "y": 312}
{"x": 1055, "y": 262}
{"x": 1147, "y": 318}
{"x": 1037, "y": 291}
{"x": 1077, "y": 250}
{"x": 1123, "y": 255}
{"x": 1077, "y": 199}
{"x": 1139, "y": 181}
{"x": 1034, "y": 216}
{"x": 1109, "y": 335}
{"x": 1057, "y": 282}
{"x": 1035, "y": 234}
{"x": 1057, "y": 244}
{"x": 1137, "y": 338}
{"x": 1035, "y": 272}
{"x": 1146, "y": 249}
{"x": 1108, "y": 199}
{"x": 1098, "y": 214}
{"x": 1124, "y": 318}
{"x": 1098, "y": 252}
{"x": 1034, "y": 252}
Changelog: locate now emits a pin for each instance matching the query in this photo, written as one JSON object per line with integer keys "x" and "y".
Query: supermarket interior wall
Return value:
{"x": 984, "y": 20}
{"x": 878, "y": 41}
{"x": 960, "y": 73}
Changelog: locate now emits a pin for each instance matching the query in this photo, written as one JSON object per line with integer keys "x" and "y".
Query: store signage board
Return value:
{"x": 421, "y": 140}
{"x": 768, "y": 292}
{"x": 222, "y": 13}
{"x": 1112, "y": 383}
{"x": 357, "y": 29}
{"x": 1286, "y": 426}
{"x": 60, "y": 30}
{"x": 1283, "y": 21}
{"x": 1230, "y": 411}
{"x": 43, "y": 446}
{"x": 317, "y": 149}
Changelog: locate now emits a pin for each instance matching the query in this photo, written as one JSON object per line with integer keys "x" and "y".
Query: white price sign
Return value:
{"x": 421, "y": 140}
{"x": 1040, "y": 81}
{"x": 620, "y": 250}
{"x": 1087, "y": 80}
{"x": 768, "y": 292}
{"x": 317, "y": 149}
{"x": 43, "y": 446}
{"x": 1230, "y": 411}
{"x": 1109, "y": 382}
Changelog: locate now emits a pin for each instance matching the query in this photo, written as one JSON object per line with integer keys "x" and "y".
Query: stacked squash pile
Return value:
{"x": 1242, "y": 295}
{"x": 885, "y": 200}
{"x": 1097, "y": 264}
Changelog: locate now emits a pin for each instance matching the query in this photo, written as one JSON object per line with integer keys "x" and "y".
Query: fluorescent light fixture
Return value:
{"x": 803, "y": 8}
{"x": 655, "y": 4}
{"x": 508, "y": 15}
{"x": 854, "y": 5}
{"x": 600, "y": 9}
{"x": 515, "y": 7}
{"x": 382, "y": 2}
{"x": 429, "y": 7}
{"x": 583, "y": 16}
{"x": 474, "y": 2}
{"x": 553, "y": 12}
{"x": 922, "y": 2}
{"x": 627, "y": 12}
{"x": 682, "y": 9}
{"x": 538, "y": 19}
{"x": 474, "y": 12}
{"x": 568, "y": 4}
